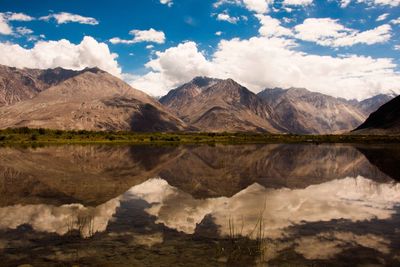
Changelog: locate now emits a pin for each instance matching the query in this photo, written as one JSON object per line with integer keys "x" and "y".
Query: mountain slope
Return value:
{"x": 220, "y": 105}
{"x": 21, "y": 84}
{"x": 369, "y": 105}
{"x": 386, "y": 120}
{"x": 92, "y": 100}
{"x": 305, "y": 112}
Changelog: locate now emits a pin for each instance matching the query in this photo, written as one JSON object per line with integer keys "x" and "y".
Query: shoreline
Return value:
{"x": 22, "y": 136}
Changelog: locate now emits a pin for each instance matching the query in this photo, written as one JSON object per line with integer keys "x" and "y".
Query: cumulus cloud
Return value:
{"x": 298, "y": 2}
{"x": 62, "y": 53}
{"x": 167, "y": 2}
{"x": 5, "y": 27}
{"x": 150, "y": 35}
{"x": 11, "y": 16}
{"x": 329, "y": 32}
{"x": 272, "y": 27}
{"x": 226, "y": 17}
{"x": 261, "y": 62}
{"x": 65, "y": 17}
{"x": 257, "y": 6}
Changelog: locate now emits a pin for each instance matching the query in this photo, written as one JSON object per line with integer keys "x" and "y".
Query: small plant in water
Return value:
{"x": 241, "y": 249}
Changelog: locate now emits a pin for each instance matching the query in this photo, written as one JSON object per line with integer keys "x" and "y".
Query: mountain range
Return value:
{"x": 93, "y": 99}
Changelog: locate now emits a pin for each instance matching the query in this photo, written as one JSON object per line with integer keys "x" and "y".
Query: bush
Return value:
{"x": 34, "y": 137}
{"x": 41, "y": 131}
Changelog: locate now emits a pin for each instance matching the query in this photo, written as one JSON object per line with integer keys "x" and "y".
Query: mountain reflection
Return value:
{"x": 318, "y": 202}
{"x": 92, "y": 175}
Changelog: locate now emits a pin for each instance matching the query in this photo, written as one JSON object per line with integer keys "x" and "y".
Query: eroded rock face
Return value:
{"x": 305, "y": 112}
{"x": 220, "y": 105}
{"x": 90, "y": 99}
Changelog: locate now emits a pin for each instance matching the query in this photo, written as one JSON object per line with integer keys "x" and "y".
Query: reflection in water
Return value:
{"x": 319, "y": 205}
{"x": 65, "y": 175}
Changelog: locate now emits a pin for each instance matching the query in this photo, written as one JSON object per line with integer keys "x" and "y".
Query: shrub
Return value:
{"x": 34, "y": 137}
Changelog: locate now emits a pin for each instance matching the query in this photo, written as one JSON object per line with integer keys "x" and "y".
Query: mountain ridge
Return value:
{"x": 90, "y": 99}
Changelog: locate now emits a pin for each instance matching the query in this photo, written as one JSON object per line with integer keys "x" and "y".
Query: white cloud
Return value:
{"x": 382, "y": 17}
{"x": 218, "y": 33}
{"x": 329, "y": 32}
{"x": 65, "y": 17}
{"x": 51, "y": 54}
{"x": 381, "y": 2}
{"x": 169, "y": 3}
{"x": 18, "y": 17}
{"x": 390, "y": 3}
{"x": 257, "y": 6}
{"x": 397, "y": 47}
{"x": 272, "y": 27}
{"x": 5, "y": 28}
{"x": 261, "y": 62}
{"x": 149, "y": 46}
{"x": 344, "y": 3}
{"x": 23, "y": 31}
{"x": 395, "y": 21}
{"x": 172, "y": 67}
{"x": 298, "y": 2}
{"x": 226, "y": 17}
{"x": 150, "y": 35}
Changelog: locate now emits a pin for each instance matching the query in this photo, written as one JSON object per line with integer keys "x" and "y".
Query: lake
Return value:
{"x": 222, "y": 205}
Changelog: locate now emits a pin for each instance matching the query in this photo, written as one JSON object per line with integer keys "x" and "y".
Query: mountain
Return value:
{"x": 90, "y": 99}
{"x": 369, "y": 105}
{"x": 220, "y": 105}
{"x": 304, "y": 112}
{"x": 386, "y": 120}
{"x": 21, "y": 84}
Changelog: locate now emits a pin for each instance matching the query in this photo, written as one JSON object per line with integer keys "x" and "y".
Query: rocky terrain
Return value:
{"x": 90, "y": 99}
{"x": 386, "y": 120}
{"x": 220, "y": 105}
{"x": 305, "y": 112}
{"x": 223, "y": 105}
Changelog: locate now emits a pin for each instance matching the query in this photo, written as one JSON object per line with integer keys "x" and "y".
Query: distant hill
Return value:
{"x": 386, "y": 120}
{"x": 90, "y": 99}
{"x": 304, "y": 112}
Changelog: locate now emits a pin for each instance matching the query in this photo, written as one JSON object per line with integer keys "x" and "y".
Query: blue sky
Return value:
{"x": 177, "y": 39}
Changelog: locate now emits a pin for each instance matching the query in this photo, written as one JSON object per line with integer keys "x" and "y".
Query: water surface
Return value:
{"x": 243, "y": 205}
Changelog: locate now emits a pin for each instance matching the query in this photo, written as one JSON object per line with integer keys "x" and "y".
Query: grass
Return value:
{"x": 239, "y": 247}
{"x": 46, "y": 136}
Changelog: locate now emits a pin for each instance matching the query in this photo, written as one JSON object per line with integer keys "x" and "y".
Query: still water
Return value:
{"x": 242, "y": 205}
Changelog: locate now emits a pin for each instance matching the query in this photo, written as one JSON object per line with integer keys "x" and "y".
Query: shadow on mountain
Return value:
{"x": 385, "y": 157}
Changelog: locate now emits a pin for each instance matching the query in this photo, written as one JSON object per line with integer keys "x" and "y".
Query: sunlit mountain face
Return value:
{"x": 343, "y": 48}
{"x": 338, "y": 218}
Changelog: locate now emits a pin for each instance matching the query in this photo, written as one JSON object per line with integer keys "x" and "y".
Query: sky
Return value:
{"x": 343, "y": 48}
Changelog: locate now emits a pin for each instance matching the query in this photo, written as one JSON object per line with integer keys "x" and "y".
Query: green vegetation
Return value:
{"x": 43, "y": 136}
